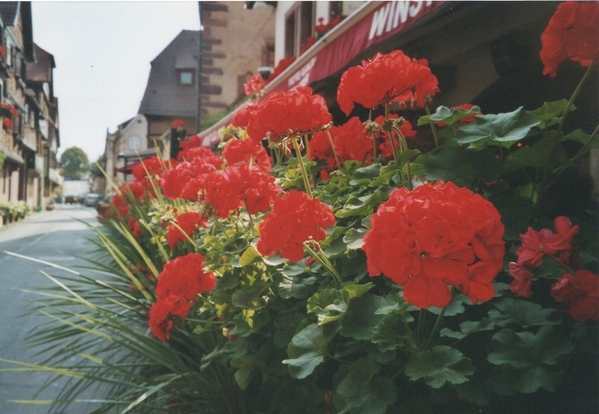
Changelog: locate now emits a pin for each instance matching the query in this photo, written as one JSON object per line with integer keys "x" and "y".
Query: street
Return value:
{"x": 54, "y": 236}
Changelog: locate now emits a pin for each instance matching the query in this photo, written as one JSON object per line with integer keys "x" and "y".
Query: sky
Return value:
{"x": 102, "y": 52}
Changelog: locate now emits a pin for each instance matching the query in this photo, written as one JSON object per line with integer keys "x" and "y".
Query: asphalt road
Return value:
{"x": 60, "y": 237}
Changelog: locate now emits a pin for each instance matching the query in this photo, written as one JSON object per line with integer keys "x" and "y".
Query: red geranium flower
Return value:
{"x": 382, "y": 138}
{"x": 393, "y": 77}
{"x": 246, "y": 150}
{"x": 254, "y": 86}
{"x": 522, "y": 280}
{"x": 241, "y": 119}
{"x": 129, "y": 194}
{"x": 162, "y": 312}
{"x": 240, "y": 185}
{"x": 350, "y": 140}
{"x": 572, "y": 33}
{"x": 434, "y": 237}
{"x": 582, "y": 291}
{"x": 134, "y": 227}
{"x": 296, "y": 112}
{"x": 184, "y": 276}
{"x": 177, "y": 123}
{"x": 537, "y": 244}
{"x": 7, "y": 124}
{"x": 295, "y": 218}
{"x": 282, "y": 65}
{"x": 186, "y": 222}
{"x": 186, "y": 180}
{"x": 150, "y": 168}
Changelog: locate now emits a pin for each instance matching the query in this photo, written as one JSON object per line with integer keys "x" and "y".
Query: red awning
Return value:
{"x": 373, "y": 22}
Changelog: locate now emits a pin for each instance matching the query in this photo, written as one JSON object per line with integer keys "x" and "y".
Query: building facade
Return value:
{"x": 29, "y": 138}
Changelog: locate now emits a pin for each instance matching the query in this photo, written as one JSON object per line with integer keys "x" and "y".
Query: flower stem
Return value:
{"x": 302, "y": 167}
{"x": 433, "y": 126}
{"x": 543, "y": 188}
{"x": 435, "y": 328}
{"x": 333, "y": 148}
{"x": 324, "y": 261}
{"x": 403, "y": 146}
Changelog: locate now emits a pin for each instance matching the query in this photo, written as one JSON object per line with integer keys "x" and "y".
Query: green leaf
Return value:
{"x": 522, "y": 313}
{"x": 298, "y": 286}
{"x": 525, "y": 349}
{"x": 362, "y": 206}
{"x": 439, "y": 365}
{"x": 550, "y": 113}
{"x": 467, "y": 328}
{"x": 250, "y": 297}
{"x": 364, "y": 176}
{"x": 391, "y": 332}
{"x": 505, "y": 127}
{"x": 363, "y": 392}
{"x": 460, "y": 165}
{"x": 328, "y": 305}
{"x": 354, "y": 238}
{"x": 448, "y": 116}
{"x": 250, "y": 255}
{"x": 529, "y": 358}
{"x": 361, "y": 317}
{"x": 305, "y": 351}
{"x": 243, "y": 373}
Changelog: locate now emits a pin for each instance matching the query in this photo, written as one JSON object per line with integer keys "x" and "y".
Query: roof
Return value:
{"x": 41, "y": 69}
{"x": 164, "y": 96}
{"x": 9, "y": 13}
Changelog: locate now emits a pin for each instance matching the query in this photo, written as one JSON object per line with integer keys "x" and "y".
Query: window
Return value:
{"x": 133, "y": 142}
{"x": 299, "y": 25}
{"x": 186, "y": 77}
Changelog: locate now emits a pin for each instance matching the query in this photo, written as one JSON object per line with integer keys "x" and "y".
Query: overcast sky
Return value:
{"x": 103, "y": 52}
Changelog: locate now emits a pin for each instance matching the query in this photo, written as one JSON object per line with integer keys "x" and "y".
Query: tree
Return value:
{"x": 74, "y": 162}
{"x": 95, "y": 169}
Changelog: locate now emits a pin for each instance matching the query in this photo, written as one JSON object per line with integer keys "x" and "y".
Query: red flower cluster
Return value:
{"x": 186, "y": 180}
{"x": 2, "y": 52}
{"x": 296, "y": 112}
{"x": 295, "y": 218}
{"x": 134, "y": 227}
{"x": 582, "y": 291}
{"x": 240, "y": 185}
{"x": 7, "y": 124}
{"x": 186, "y": 225}
{"x": 128, "y": 195}
{"x": 536, "y": 245}
{"x": 572, "y": 33}
{"x": 241, "y": 119}
{"x": 321, "y": 28}
{"x": 254, "y": 86}
{"x": 382, "y": 138}
{"x": 435, "y": 237}
{"x": 283, "y": 64}
{"x": 393, "y": 77}
{"x": 8, "y": 111}
{"x": 246, "y": 150}
{"x": 350, "y": 140}
{"x": 177, "y": 123}
{"x": 180, "y": 281}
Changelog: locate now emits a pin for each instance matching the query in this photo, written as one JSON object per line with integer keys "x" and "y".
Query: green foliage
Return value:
{"x": 530, "y": 361}
{"x": 74, "y": 162}
{"x": 321, "y": 335}
{"x": 440, "y": 365}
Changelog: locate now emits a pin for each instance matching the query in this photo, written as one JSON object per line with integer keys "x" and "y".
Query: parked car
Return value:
{"x": 71, "y": 199}
{"x": 92, "y": 199}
